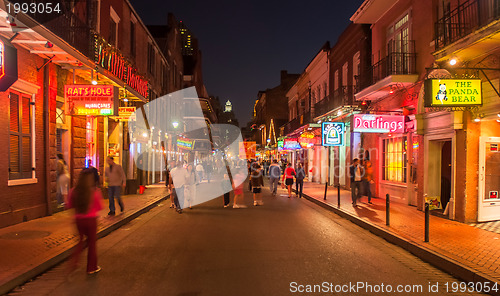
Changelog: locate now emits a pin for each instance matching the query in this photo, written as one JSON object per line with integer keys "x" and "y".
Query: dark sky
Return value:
{"x": 245, "y": 44}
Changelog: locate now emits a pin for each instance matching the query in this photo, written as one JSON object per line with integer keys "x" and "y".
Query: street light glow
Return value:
{"x": 175, "y": 124}
{"x": 453, "y": 62}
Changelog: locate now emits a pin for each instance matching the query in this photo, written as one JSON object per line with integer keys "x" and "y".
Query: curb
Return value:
{"x": 448, "y": 265}
{"x": 35, "y": 271}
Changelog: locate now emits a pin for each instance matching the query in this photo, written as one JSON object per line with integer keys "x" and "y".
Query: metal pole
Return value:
{"x": 338, "y": 194}
{"x": 328, "y": 174}
{"x": 387, "y": 210}
{"x": 427, "y": 217}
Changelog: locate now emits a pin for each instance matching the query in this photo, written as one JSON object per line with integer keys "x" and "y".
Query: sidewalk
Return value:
{"x": 30, "y": 248}
{"x": 465, "y": 251}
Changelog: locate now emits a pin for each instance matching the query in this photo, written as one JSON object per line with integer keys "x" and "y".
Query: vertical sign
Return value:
{"x": 332, "y": 134}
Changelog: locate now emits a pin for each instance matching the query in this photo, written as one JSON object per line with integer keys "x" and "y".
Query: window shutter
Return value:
{"x": 14, "y": 112}
{"x": 26, "y": 116}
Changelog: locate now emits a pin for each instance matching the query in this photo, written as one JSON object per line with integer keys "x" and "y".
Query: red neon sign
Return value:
{"x": 373, "y": 123}
{"x": 115, "y": 63}
{"x": 2, "y": 59}
{"x": 98, "y": 100}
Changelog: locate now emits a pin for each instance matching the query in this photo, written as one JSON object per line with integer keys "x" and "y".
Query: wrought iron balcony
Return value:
{"x": 297, "y": 122}
{"x": 71, "y": 28}
{"x": 465, "y": 19}
{"x": 401, "y": 60}
{"x": 343, "y": 96}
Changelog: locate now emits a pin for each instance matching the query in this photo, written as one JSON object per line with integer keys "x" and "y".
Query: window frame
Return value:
{"x": 22, "y": 179}
{"x": 399, "y": 173}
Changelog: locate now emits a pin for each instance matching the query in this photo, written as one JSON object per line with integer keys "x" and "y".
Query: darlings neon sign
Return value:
{"x": 372, "y": 123}
{"x": 115, "y": 63}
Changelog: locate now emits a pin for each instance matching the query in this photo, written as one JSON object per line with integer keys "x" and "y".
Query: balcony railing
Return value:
{"x": 297, "y": 122}
{"x": 343, "y": 96}
{"x": 69, "y": 27}
{"x": 401, "y": 60}
{"x": 465, "y": 19}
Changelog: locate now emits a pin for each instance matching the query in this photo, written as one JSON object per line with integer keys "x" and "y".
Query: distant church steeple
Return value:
{"x": 229, "y": 106}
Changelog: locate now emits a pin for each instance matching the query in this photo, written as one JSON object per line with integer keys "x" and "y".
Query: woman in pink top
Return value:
{"x": 86, "y": 199}
{"x": 288, "y": 178}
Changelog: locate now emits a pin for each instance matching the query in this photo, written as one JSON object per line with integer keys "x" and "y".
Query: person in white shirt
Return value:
{"x": 199, "y": 172}
{"x": 179, "y": 178}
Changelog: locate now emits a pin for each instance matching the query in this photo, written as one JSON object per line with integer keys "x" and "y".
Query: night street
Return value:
{"x": 211, "y": 250}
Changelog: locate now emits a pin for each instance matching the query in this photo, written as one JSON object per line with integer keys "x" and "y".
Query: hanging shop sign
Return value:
{"x": 110, "y": 59}
{"x": 307, "y": 140}
{"x": 291, "y": 144}
{"x": 247, "y": 150}
{"x": 8, "y": 64}
{"x": 97, "y": 100}
{"x": 126, "y": 114}
{"x": 332, "y": 134}
{"x": 453, "y": 92}
{"x": 373, "y": 123}
{"x": 280, "y": 145}
{"x": 185, "y": 143}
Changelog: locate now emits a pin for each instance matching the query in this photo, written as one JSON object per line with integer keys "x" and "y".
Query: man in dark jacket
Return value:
{"x": 356, "y": 174}
{"x": 299, "y": 180}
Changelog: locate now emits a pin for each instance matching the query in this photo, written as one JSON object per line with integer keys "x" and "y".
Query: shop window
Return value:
{"x": 394, "y": 159}
{"x": 20, "y": 137}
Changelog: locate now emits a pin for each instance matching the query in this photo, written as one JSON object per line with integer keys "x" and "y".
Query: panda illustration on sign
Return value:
{"x": 441, "y": 94}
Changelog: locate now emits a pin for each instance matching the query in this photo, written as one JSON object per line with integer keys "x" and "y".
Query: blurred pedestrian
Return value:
{"x": 171, "y": 165}
{"x": 299, "y": 180}
{"x": 62, "y": 181}
{"x": 208, "y": 171}
{"x": 257, "y": 182}
{"x": 227, "y": 188}
{"x": 367, "y": 178}
{"x": 288, "y": 178}
{"x": 95, "y": 172}
{"x": 86, "y": 199}
{"x": 178, "y": 180}
{"x": 274, "y": 177}
{"x": 239, "y": 179}
{"x": 356, "y": 175}
{"x": 116, "y": 179}
{"x": 190, "y": 191}
{"x": 199, "y": 172}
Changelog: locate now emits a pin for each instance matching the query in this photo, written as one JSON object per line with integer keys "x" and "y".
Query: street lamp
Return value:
{"x": 453, "y": 62}
{"x": 175, "y": 124}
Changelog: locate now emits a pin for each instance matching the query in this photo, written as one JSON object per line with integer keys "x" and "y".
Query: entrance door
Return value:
{"x": 440, "y": 175}
{"x": 489, "y": 179}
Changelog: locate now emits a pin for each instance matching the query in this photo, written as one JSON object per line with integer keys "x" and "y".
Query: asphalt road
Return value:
{"x": 264, "y": 250}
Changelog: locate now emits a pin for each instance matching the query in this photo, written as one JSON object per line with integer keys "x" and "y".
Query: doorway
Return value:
{"x": 440, "y": 176}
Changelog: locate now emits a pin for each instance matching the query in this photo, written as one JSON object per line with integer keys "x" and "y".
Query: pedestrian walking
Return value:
{"x": 116, "y": 179}
{"x": 367, "y": 178}
{"x": 86, "y": 199}
{"x": 62, "y": 181}
{"x": 208, "y": 171}
{"x": 178, "y": 180}
{"x": 199, "y": 172}
{"x": 169, "y": 182}
{"x": 356, "y": 175}
{"x": 227, "y": 188}
{"x": 288, "y": 178}
{"x": 257, "y": 182}
{"x": 190, "y": 191}
{"x": 274, "y": 177}
{"x": 299, "y": 180}
{"x": 239, "y": 178}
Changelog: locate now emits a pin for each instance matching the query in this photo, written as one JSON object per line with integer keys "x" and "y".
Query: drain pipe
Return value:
{"x": 46, "y": 134}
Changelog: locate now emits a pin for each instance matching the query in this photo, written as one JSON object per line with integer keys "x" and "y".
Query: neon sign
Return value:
{"x": 291, "y": 144}
{"x": 8, "y": 64}
{"x": 108, "y": 58}
{"x": 332, "y": 134}
{"x": 373, "y": 123}
{"x": 98, "y": 100}
{"x": 184, "y": 143}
